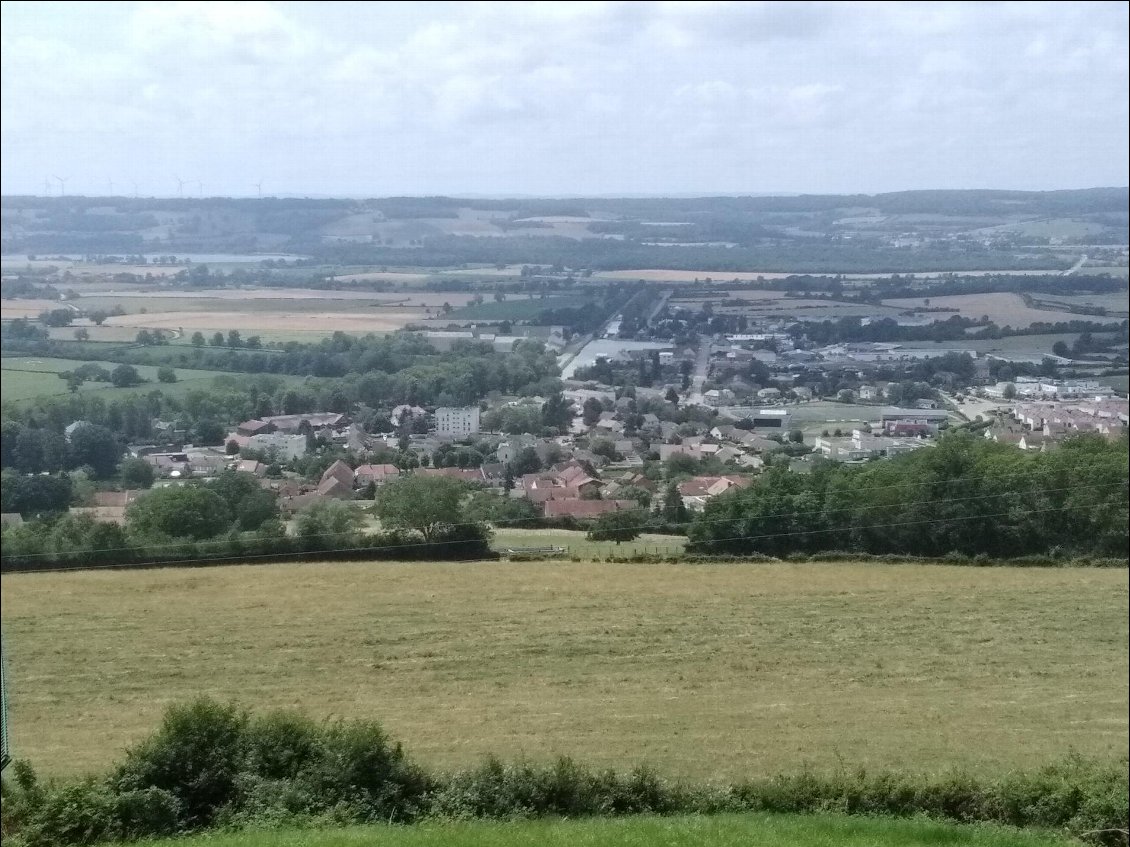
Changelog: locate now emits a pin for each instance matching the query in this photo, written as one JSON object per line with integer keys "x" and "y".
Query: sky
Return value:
{"x": 555, "y": 99}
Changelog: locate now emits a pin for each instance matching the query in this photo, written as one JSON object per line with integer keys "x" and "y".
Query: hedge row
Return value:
{"x": 212, "y": 765}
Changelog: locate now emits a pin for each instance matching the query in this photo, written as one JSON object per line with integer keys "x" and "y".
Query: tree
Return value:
{"x": 251, "y": 504}
{"x": 616, "y": 526}
{"x": 233, "y": 338}
{"x": 57, "y": 317}
{"x": 217, "y": 339}
{"x": 1009, "y": 392}
{"x": 1060, "y": 348}
{"x": 82, "y": 334}
{"x": 591, "y": 411}
{"x": 427, "y": 504}
{"x": 209, "y": 431}
{"x": 197, "y": 339}
{"x": 604, "y": 447}
{"x": 526, "y": 461}
{"x": 166, "y": 374}
{"x": 191, "y": 512}
{"x": 136, "y": 473}
{"x": 674, "y": 510}
{"x": 124, "y": 376}
{"x": 796, "y": 436}
{"x": 557, "y": 412}
{"x": 329, "y": 524}
{"x": 672, "y": 396}
{"x": 97, "y": 447}
{"x": 31, "y": 495}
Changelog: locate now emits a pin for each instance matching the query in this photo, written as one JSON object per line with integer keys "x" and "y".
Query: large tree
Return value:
{"x": 616, "y": 526}
{"x": 192, "y": 512}
{"x": 98, "y": 447}
{"x": 247, "y": 500}
{"x": 429, "y": 505}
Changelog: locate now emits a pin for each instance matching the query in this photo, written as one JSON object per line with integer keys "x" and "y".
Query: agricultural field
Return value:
{"x": 577, "y": 544}
{"x": 1114, "y": 303}
{"x": 644, "y": 831}
{"x": 516, "y": 309}
{"x": 1002, "y": 308}
{"x": 28, "y": 377}
{"x": 703, "y": 671}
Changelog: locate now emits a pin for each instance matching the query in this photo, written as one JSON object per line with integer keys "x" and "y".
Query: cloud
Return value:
{"x": 649, "y": 96}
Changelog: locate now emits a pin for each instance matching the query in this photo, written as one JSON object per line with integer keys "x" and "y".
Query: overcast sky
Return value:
{"x": 359, "y": 99}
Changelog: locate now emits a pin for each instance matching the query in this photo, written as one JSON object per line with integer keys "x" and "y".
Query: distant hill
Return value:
{"x": 898, "y": 231}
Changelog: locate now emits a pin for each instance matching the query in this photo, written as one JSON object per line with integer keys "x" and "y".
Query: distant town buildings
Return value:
{"x": 457, "y": 422}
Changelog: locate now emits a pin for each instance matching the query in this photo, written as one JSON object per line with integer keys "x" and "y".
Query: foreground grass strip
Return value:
{"x": 683, "y": 831}
{"x": 706, "y": 672}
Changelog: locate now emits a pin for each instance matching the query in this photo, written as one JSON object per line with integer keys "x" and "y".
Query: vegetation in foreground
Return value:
{"x": 724, "y": 830}
{"x": 211, "y": 766}
{"x": 701, "y": 671}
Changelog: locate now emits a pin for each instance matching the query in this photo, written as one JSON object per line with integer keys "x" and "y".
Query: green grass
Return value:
{"x": 30, "y": 377}
{"x": 516, "y": 310}
{"x": 702, "y": 671}
{"x": 578, "y": 545}
{"x": 645, "y": 831}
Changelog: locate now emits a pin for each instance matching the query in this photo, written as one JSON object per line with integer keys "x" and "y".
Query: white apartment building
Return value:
{"x": 457, "y": 422}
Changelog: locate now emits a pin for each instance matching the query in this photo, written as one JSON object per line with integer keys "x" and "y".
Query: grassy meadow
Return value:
{"x": 28, "y": 377}
{"x": 702, "y": 671}
{"x": 645, "y": 831}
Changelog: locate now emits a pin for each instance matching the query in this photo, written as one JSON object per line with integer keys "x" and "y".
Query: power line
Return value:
{"x": 413, "y": 545}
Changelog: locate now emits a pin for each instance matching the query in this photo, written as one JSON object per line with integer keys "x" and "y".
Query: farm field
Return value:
{"x": 577, "y": 544}
{"x": 27, "y": 377}
{"x": 703, "y": 671}
{"x": 1002, "y": 308}
{"x": 644, "y": 831}
{"x": 516, "y": 308}
{"x": 672, "y": 275}
{"x": 1111, "y": 302}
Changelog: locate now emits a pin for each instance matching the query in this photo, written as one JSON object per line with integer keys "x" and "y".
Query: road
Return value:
{"x": 1082, "y": 261}
{"x": 698, "y": 376}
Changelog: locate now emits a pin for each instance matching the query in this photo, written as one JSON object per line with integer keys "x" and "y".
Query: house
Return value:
{"x": 697, "y": 490}
{"x": 8, "y": 519}
{"x": 171, "y": 465}
{"x": 255, "y": 427}
{"x": 462, "y": 474}
{"x": 285, "y": 447}
{"x": 340, "y": 471}
{"x": 334, "y": 487}
{"x": 586, "y": 509}
{"x": 376, "y": 474}
{"x": 251, "y": 466}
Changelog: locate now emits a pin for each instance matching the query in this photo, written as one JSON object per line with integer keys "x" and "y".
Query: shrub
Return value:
{"x": 194, "y": 756}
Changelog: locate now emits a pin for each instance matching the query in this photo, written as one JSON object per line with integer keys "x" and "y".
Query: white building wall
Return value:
{"x": 457, "y": 422}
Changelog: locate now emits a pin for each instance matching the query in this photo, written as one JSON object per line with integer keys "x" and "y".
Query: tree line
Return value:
{"x": 966, "y": 495}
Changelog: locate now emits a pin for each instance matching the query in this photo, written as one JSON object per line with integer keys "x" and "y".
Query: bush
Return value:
{"x": 194, "y": 756}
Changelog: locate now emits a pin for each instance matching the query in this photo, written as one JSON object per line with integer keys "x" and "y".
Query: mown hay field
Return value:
{"x": 643, "y": 831}
{"x": 704, "y": 671}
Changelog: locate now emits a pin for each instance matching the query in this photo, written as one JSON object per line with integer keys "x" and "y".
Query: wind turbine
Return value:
{"x": 111, "y": 184}
{"x": 62, "y": 185}
{"x": 180, "y": 185}
{"x": 47, "y": 186}
{"x": 135, "y": 191}
{"x": 259, "y": 188}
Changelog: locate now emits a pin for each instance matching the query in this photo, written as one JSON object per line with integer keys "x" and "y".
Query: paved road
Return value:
{"x": 698, "y": 375}
{"x": 1074, "y": 268}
